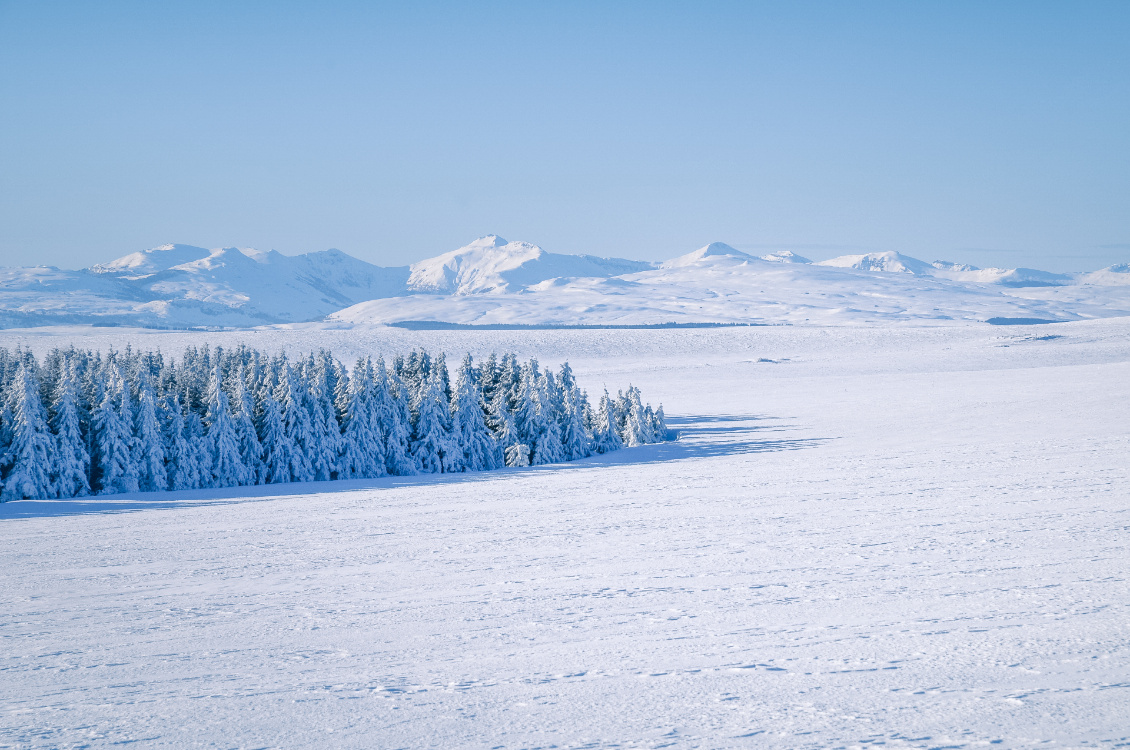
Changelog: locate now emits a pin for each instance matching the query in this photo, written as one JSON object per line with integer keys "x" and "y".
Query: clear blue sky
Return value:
{"x": 994, "y": 133}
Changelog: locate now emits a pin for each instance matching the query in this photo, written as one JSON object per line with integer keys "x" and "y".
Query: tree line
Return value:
{"x": 82, "y": 423}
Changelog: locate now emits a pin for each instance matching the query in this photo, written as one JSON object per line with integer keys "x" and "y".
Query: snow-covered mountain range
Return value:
{"x": 493, "y": 281}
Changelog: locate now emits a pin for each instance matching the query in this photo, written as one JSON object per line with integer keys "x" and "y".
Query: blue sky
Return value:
{"x": 990, "y": 133}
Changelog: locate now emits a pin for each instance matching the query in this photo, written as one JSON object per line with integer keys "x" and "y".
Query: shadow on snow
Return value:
{"x": 690, "y": 437}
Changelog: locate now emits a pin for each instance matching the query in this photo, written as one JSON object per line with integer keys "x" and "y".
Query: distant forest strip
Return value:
{"x": 81, "y": 423}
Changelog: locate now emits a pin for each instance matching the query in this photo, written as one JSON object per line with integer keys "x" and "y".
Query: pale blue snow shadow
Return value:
{"x": 690, "y": 437}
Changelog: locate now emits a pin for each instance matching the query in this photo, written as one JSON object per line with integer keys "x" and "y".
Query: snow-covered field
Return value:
{"x": 909, "y": 537}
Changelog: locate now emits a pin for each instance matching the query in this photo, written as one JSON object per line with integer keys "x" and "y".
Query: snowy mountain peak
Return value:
{"x": 492, "y": 265}
{"x": 147, "y": 262}
{"x": 473, "y": 268}
{"x": 785, "y": 256}
{"x": 709, "y": 252}
{"x": 946, "y": 265}
{"x": 890, "y": 262}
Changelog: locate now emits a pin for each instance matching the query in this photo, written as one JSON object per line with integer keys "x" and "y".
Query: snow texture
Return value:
{"x": 863, "y": 536}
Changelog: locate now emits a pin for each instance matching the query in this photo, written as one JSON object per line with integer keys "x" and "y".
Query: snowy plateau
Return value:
{"x": 881, "y": 522}
{"x": 863, "y": 536}
{"x": 495, "y": 282}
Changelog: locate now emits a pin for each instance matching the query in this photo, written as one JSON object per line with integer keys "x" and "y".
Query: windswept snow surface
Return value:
{"x": 863, "y": 536}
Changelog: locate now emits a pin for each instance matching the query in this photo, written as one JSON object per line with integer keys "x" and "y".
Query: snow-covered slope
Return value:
{"x": 1116, "y": 275}
{"x": 146, "y": 262}
{"x": 275, "y": 287}
{"x": 185, "y": 286}
{"x": 491, "y": 264}
{"x": 494, "y": 281}
{"x": 719, "y": 284}
{"x": 890, "y": 262}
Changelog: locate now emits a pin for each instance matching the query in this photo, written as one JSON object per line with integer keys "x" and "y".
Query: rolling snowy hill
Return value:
{"x": 181, "y": 286}
{"x": 494, "y": 281}
{"x": 720, "y": 284}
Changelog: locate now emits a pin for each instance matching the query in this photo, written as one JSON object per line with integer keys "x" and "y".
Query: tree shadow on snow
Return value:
{"x": 689, "y": 437}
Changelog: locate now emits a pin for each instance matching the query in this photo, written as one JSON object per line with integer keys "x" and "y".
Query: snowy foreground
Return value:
{"x": 911, "y": 537}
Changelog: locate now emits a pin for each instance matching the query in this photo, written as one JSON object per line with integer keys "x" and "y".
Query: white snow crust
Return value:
{"x": 864, "y": 536}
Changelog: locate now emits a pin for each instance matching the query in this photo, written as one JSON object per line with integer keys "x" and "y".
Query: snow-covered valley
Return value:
{"x": 902, "y": 535}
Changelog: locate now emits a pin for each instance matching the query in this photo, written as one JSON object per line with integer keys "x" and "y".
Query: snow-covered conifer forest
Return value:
{"x": 81, "y": 422}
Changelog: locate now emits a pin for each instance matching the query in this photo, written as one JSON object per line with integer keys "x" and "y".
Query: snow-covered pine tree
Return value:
{"x": 636, "y": 427}
{"x": 488, "y": 378}
{"x": 431, "y": 430}
{"x": 549, "y": 447}
{"x": 296, "y": 423}
{"x": 112, "y": 426}
{"x": 659, "y": 424}
{"x": 180, "y": 458}
{"x": 228, "y": 468}
{"x": 243, "y": 417}
{"x": 197, "y": 438}
{"x": 71, "y": 471}
{"x": 325, "y": 444}
{"x": 391, "y": 412}
{"x": 605, "y": 431}
{"x": 530, "y": 417}
{"x": 362, "y": 452}
{"x": 278, "y": 448}
{"x": 149, "y": 443}
{"x": 518, "y": 455}
{"x": 505, "y": 432}
{"x": 479, "y": 450}
{"x": 576, "y": 442}
{"x": 31, "y": 451}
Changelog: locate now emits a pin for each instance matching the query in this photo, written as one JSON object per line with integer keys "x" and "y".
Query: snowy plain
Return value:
{"x": 863, "y": 536}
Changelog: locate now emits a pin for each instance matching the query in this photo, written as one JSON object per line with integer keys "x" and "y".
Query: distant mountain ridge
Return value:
{"x": 495, "y": 280}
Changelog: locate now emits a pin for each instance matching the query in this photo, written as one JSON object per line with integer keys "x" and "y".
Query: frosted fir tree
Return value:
{"x": 228, "y": 469}
{"x": 549, "y": 447}
{"x": 488, "y": 378}
{"x": 296, "y": 424}
{"x": 278, "y": 448}
{"x": 518, "y": 455}
{"x": 605, "y": 430}
{"x": 637, "y": 426}
{"x": 529, "y": 418}
{"x": 479, "y": 450}
{"x": 113, "y": 419}
{"x": 325, "y": 443}
{"x": 659, "y": 424}
{"x": 430, "y": 433}
{"x": 32, "y": 448}
{"x": 362, "y": 452}
{"x": 576, "y": 442}
{"x": 149, "y": 442}
{"x": 391, "y": 412}
{"x": 181, "y": 466}
{"x": 505, "y": 431}
{"x": 243, "y": 417}
{"x": 196, "y": 436}
{"x": 71, "y": 469}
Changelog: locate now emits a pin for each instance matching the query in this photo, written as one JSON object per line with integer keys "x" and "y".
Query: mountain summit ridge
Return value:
{"x": 176, "y": 285}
